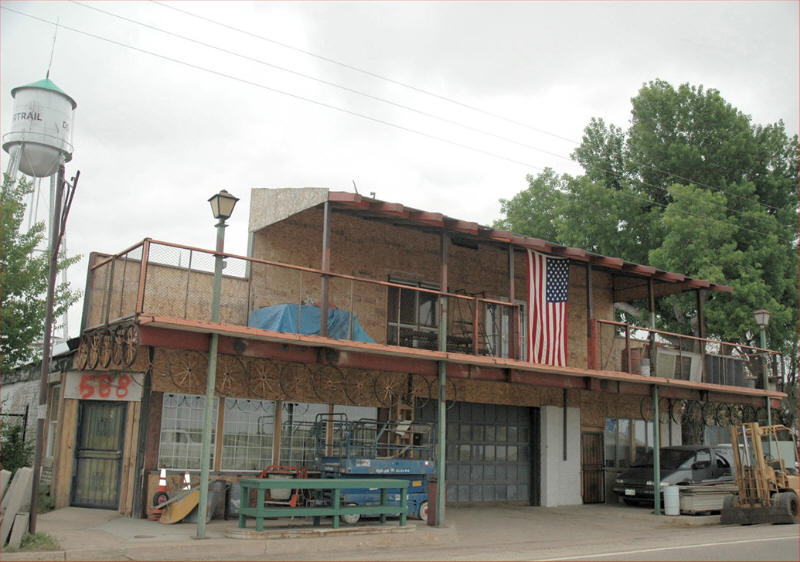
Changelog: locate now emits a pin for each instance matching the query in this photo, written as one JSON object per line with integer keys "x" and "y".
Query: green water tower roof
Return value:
{"x": 46, "y": 84}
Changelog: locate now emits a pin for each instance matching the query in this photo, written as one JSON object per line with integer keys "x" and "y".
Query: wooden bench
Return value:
{"x": 335, "y": 509}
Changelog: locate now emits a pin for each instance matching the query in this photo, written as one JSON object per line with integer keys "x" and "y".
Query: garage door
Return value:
{"x": 489, "y": 454}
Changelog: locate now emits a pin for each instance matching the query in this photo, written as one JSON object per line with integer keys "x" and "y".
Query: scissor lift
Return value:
{"x": 369, "y": 448}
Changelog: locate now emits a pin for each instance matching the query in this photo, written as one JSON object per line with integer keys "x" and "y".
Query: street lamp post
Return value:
{"x": 222, "y": 205}
{"x": 762, "y": 320}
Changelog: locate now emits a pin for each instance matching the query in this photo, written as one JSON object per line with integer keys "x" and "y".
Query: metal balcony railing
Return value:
{"x": 632, "y": 349}
{"x": 171, "y": 280}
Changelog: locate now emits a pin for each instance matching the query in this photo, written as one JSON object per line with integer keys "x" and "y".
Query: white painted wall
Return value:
{"x": 560, "y": 479}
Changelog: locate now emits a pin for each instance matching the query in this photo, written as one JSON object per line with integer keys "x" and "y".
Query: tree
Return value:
{"x": 692, "y": 186}
{"x": 23, "y": 279}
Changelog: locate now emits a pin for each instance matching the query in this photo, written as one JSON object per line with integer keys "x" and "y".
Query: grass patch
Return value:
{"x": 37, "y": 541}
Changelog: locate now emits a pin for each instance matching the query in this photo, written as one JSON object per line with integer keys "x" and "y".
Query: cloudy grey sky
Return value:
{"x": 154, "y": 138}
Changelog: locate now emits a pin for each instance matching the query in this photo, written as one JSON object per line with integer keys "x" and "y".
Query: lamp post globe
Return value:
{"x": 762, "y": 321}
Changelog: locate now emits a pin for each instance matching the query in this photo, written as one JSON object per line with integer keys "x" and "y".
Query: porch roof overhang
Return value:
{"x": 631, "y": 279}
{"x": 168, "y": 332}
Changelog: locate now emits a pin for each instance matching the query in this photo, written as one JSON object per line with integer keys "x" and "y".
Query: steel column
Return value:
{"x": 656, "y": 454}
{"x": 326, "y": 265}
{"x": 441, "y": 418}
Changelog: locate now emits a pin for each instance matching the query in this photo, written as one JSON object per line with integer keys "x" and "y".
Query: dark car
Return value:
{"x": 688, "y": 464}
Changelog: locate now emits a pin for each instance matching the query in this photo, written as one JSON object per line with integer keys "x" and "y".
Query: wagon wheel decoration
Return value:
{"x": 723, "y": 415}
{"x": 291, "y": 379}
{"x": 230, "y": 375}
{"x": 106, "y": 344}
{"x": 131, "y": 345}
{"x": 187, "y": 369}
{"x": 389, "y": 388}
{"x": 646, "y": 408}
{"x": 419, "y": 391}
{"x": 357, "y": 388}
{"x": 81, "y": 356}
{"x": 676, "y": 411}
{"x": 736, "y": 413}
{"x": 748, "y": 413}
{"x": 693, "y": 413}
{"x": 665, "y": 406}
{"x": 709, "y": 413}
{"x": 328, "y": 383}
{"x": 95, "y": 342}
{"x": 450, "y": 395}
{"x": 262, "y": 378}
{"x": 118, "y": 345}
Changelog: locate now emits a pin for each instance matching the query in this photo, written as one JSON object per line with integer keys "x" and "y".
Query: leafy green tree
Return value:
{"x": 23, "y": 280}
{"x": 16, "y": 453}
{"x": 692, "y": 186}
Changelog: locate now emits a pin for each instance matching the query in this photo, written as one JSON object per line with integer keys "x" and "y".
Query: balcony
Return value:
{"x": 166, "y": 285}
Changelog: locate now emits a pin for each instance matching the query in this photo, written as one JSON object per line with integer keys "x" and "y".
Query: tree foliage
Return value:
{"x": 23, "y": 279}
{"x": 692, "y": 186}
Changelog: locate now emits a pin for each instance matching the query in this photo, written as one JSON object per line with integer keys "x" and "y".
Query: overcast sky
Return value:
{"x": 155, "y": 138}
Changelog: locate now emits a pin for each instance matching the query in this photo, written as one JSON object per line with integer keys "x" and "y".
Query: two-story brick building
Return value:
{"x": 414, "y": 299}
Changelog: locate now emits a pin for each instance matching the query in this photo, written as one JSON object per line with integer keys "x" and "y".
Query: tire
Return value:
{"x": 788, "y": 503}
{"x": 422, "y": 512}
{"x": 729, "y": 501}
{"x": 159, "y": 498}
{"x": 350, "y": 518}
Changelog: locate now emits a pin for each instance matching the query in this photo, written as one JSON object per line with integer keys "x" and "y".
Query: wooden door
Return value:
{"x": 98, "y": 454}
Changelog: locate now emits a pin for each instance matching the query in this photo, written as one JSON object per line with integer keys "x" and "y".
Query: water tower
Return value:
{"x": 40, "y": 141}
{"x": 41, "y": 129}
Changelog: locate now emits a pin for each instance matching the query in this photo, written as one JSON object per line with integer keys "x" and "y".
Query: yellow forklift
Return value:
{"x": 766, "y": 464}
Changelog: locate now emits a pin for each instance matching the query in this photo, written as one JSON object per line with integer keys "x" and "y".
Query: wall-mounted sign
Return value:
{"x": 104, "y": 386}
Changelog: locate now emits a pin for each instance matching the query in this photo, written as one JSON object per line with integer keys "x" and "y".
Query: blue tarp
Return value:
{"x": 283, "y": 318}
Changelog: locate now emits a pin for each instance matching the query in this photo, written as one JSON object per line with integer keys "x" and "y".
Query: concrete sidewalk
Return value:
{"x": 93, "y": 534}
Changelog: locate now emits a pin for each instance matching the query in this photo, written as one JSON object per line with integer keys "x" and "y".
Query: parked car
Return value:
{"x": 687, "y": 464}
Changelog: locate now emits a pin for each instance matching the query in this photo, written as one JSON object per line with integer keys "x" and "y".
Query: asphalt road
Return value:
{"x": 760, "y": 542}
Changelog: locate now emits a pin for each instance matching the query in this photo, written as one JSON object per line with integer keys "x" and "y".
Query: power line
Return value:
{"x": 337, "y": 108}
{"x": 321, "y": 81}
{"x": 438, "y": 96}
{"x": 345, "y": 88}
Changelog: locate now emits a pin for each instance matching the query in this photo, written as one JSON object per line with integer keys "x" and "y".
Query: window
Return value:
{"x": 412, "y": 317}
{"x": 626, "y": 440}
{"x": 182, "y": 431}
{"x": 55, "y": 394}
{"x": 498, "y": 330}
{"x": 298, "y": 442}
{"x": 247, "y": 434}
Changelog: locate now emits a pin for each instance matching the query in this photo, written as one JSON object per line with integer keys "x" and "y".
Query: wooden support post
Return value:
{"x": 326, "y": 264}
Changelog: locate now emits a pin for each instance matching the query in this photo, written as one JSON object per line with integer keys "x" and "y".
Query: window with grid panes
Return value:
{"x": 182, "y": 431}
{"x": 247, "y": 434}
{"x": 412, "y": 318}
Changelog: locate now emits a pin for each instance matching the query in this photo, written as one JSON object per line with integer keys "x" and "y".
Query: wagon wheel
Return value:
{"x": 736, "y": 413}
{"x": 676, "y": 411}
{"x": 118, "y": 345}
{"x": 694, "y": 413}
{"x": 95, "y": 341}
{"x": 230, "y": 375}
{"x": 357, "y": 388}
{"x": 81, "y": 356}
{"x": 664, "y": 410}
{"x": 748, "y": 413}
{"x": 709, "y": 413}
{"x": 450, "y": 396}
{"x": 646, "y": 408}
{"x": 187, "y": 369}
{"x": 389, "y": 388}
{"x": 106, "y": 349}
{"x": 130, "y": 347}
{"x": 723, "y": 415}
{"x": 419, "y": 391}
{"x": 328, "y": 383}
{"x": 262, "y": 378}
{"x": 291, "y": 379}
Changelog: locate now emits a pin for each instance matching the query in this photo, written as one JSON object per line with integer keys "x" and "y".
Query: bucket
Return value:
{"x": 280, "y": 494}
{"x": 672, "y": 502}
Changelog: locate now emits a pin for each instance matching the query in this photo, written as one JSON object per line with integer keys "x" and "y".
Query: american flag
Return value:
{"x": 548, "y": 279}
